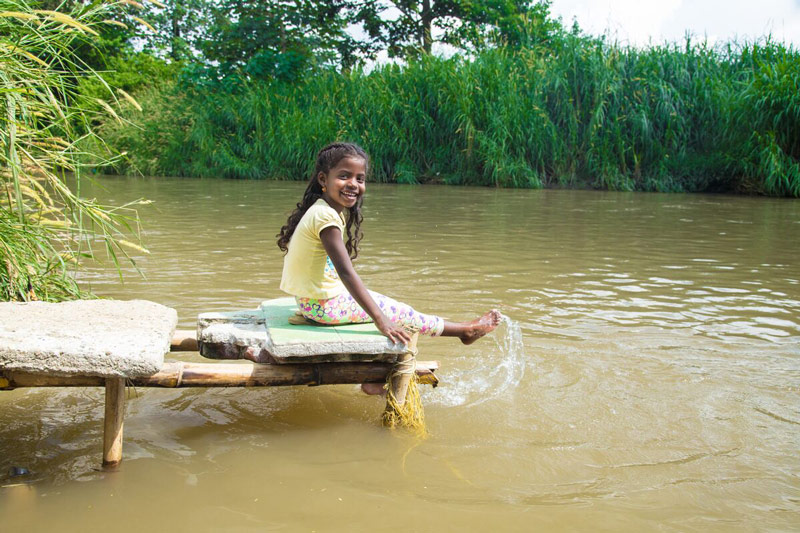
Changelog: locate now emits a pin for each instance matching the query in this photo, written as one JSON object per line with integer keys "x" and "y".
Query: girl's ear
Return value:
{"x": 321, "y": 178}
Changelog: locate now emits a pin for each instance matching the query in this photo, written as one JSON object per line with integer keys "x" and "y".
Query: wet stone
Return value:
{"x": 107, "y": 338}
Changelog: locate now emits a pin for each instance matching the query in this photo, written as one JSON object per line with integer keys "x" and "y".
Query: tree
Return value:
{"x": 277, "y": 39}
{"x": 177, "y": 25}
{"x": 406, "y": 27}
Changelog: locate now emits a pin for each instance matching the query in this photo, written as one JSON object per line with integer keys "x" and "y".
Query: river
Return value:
{"x": 647, "y": 378}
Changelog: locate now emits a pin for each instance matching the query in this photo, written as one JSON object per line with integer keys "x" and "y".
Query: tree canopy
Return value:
{"x": 285, "y": 39}
{"x": 410, "y": 27}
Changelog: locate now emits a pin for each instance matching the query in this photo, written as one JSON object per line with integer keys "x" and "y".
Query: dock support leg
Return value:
{"x": 398, "y": 387}
{"x": 112, "y": 426}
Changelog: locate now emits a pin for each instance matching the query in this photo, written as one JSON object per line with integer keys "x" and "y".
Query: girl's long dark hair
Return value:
{"x": 328, "y": 158}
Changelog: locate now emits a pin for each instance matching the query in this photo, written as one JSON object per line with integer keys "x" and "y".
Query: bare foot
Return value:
{"x": 480, "y": 326}
{"x": 373, "y": 389}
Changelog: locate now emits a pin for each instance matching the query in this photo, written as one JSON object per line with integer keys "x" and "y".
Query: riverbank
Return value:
{"x": 582, "y": 113}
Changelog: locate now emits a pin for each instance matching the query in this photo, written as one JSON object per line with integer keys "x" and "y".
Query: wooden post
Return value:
{"x": 399, "y": 384}
{"x": 112, "y": 426}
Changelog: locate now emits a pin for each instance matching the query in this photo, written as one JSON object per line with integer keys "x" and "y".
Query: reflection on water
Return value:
{"x": 646, "y": 376}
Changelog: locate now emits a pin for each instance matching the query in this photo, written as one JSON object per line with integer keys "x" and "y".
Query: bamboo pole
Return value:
{"x": 180, "y": 374}
{"x": 112, "y": 425}
{"x": 399, "y": 384}
{"x": 183, "y": 340}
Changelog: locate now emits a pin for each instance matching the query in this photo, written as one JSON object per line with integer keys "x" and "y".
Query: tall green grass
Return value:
{"x": 582, "y": 113}
{"x": 46, "y": 225}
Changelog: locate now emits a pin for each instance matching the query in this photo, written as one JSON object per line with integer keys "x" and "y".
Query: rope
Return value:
{"x": 409, "y": 414}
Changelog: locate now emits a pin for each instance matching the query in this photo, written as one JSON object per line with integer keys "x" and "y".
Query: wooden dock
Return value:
{"x": 278, "y": 354}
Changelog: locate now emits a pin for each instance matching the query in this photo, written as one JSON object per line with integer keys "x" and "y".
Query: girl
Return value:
{"x": 318, "y": 269}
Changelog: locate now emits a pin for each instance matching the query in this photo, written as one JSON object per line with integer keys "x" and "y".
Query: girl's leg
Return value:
{"x": 343, "y": 309}
{"x": 406, "y": 315}
{"x": 467, "y": 332}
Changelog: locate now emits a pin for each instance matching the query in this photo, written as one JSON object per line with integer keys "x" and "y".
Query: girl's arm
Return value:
{"x": 331, "y": 238}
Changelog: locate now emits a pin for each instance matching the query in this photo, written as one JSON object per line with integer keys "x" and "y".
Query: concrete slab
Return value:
{"x": 264, "y": 335}
{"x": 107, "y": 338}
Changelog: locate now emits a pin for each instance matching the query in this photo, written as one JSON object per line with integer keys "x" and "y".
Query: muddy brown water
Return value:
{"x": 648, "y": 379}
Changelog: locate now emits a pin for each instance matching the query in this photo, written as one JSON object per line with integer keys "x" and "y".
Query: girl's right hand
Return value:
{"x": 395, "y": 333}
{"x": 331, "y": 238}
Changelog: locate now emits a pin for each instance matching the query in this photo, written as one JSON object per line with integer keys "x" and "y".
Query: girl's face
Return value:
{"x": 344, "y": 183}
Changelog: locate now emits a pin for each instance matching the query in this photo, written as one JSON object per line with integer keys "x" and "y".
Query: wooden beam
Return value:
{"x": 112, "y": 425}
{"x": 183, "y": 340}
{"x": 180, "y": 374}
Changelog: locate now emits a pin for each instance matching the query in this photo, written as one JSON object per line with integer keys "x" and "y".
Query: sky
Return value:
{"x": 640, "y": 22}
{"x": 643, "y": 22}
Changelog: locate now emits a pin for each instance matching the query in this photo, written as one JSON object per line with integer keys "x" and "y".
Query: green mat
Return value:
{"x": 289, "y": 342}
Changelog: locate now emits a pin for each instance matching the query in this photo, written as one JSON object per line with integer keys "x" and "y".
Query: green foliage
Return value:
{"x": 231, "y": 42}
{"x": 578, "y": 112}
{"x": 120, "y": 24}
{"x": 45, "y": 224}
{"x": 274, "y": 39}
{"x": 125, "y": 78}
{"x": 31, "y": 267}
{"x": 405, "y": 27}
{"x": 178, "y": 28}
{"x": 767, "y": 153}
{"x": 154, "y": 139}
{"x": 131, "y": 73}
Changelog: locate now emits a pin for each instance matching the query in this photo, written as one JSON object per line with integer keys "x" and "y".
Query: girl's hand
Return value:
{"x": 395, "y": 333}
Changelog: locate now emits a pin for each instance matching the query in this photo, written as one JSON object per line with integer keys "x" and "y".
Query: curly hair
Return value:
{"x": 328, "y": 158}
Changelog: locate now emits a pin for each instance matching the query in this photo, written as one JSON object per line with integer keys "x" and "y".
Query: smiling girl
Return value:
{"x": 318, "y": 269}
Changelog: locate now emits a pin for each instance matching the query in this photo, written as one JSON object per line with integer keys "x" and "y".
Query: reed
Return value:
{"x": 583, "y": 113}
{"x": 46, "y": 226}
{"x": 767, "y": 153}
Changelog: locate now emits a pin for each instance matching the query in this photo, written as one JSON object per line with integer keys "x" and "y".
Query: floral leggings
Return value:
{"x": 343, "y": 309}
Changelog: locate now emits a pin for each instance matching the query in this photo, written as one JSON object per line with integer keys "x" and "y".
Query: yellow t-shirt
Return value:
{"x": 307, "y": 270}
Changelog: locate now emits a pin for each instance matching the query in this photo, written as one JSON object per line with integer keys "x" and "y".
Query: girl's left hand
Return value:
{"x": 395, "y": 333}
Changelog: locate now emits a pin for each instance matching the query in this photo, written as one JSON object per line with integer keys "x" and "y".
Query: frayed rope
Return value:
{"x": 409, "y": 414}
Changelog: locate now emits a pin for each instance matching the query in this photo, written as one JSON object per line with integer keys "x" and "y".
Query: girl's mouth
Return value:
{"x": 350, "y": 195}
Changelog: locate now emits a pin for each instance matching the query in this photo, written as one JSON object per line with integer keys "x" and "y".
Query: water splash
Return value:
{"x": 491, "y": 376}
